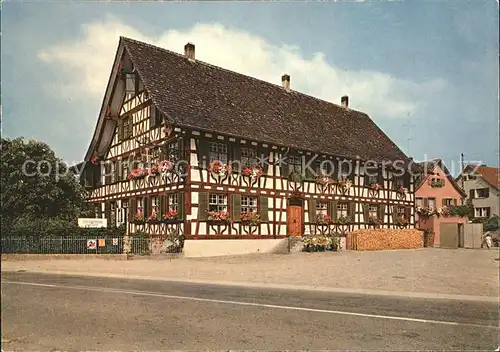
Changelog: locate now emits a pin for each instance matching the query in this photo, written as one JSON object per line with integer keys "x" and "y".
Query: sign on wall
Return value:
{"x": 92, "y": 222}
{"x": 91, "y": 244}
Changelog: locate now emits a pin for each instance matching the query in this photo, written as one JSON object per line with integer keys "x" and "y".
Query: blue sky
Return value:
{"x": 433, "y": 64}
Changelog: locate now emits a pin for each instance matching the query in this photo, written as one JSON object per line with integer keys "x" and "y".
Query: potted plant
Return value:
{"x": 344, "y": 183}
{"x": 402, "y": 221}
{"x": 401, "y": 190}
{"x": 169, "y": 216}
{"x": 155, "y": 169}
{"x": 139, "y": 218}
{"x": 323, "y": 219}
{"x": 373, "y": 220}
{"x": 375, "y": 187}
{"x": 343, "y": 220}
{"x": 250, "y": 218}
{"x": 218, "y": 217}
{"x": 218, "y": 168}
{"x": 424, "y": 211}
{"x": 137, "y": 174}
{"x": 324, "y": 180}
{"x": 154, "y": 217}
{"x": 254, "y": 172}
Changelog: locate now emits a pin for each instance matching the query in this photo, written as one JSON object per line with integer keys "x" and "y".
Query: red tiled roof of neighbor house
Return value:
{"x": 198, "y": 95}
{"x": 490, "y": 174}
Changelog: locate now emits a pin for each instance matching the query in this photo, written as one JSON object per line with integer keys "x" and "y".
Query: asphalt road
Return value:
{"x": 51, "y": 312}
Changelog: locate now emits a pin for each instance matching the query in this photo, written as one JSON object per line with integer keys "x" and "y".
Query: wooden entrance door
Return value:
{"x": 294, "y": 220}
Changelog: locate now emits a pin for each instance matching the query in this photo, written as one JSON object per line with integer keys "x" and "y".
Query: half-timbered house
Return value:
{"x": 182, "y": 145}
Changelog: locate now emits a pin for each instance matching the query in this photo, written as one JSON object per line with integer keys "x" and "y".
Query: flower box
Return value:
{"x": 324, "y": 180}
{"x": 218, "y": 168}
{"x": 375, "y": 187}
{"x": 139, "y": 222}
{"x": 343, "y": 220}
{"x": 170, "y": 221}
{"x": 436, "y": 183}
{"x": 323, "y": 219}
{"x": 170, "y": 215}
{"x": 137, "y": 174}
{"x": 218, "y": 222}
{"x": 253, "y": 172}
{"x": 251, "y": 219}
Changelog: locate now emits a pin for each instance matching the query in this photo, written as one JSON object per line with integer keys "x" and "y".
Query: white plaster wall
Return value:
{"x": 208, "y": 248}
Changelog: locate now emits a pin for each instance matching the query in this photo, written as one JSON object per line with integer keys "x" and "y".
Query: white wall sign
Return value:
{"x": 92, "y": 222}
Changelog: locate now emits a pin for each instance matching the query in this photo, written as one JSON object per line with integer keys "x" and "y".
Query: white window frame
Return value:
{"x": 155, "y": 204}
{"x": 249, "y": 157}
{"x": 401, "y": 211}
{"x": 218, "y": 151}
{"x": 481, "y": 212}
{"x": 217, "y": 202}
{"x": 173, "y": 201}
{"x": 342, "y": 210}
{"x": 321, "y": 208}
{"x": 431, "y": 203}
{"x": 140, "y": 205}
{"x": 372, "y": 211}
{"x": 249, "y": 204}
{"x": 419, "y": 202}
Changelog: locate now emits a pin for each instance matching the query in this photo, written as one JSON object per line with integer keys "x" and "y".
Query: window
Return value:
{"x": 248, "y": 204}
{"x": 398, "y": 181}
{"x": 342, "y": 210}
{"x": 217, "y": 202}
{"x": 127, "y": 128}
{"x": 419, "y": 202}
{"x": 373, "y": 211}
{"x": 155, "y": 117}
{"x": 346, "y": 169}
{"x": 483, "y": 192}
{"x": 470, "y": 177}
{"x": 218, "y": 151}
{"x": 294, "y": 164}
{"x": 401, "y": 212}
{"x": 322, "y": 208}
{"x": 431, "y": 203}
{"x": 324, "y": 167}
{"x": 482, "y": 212}
{"x": 155, "y": 204}
{"x": 140, "y": 205}
{"x": 129, "y": 85}
{"x": 248, "y": 157}
{"x": 371, "y": 177}
{"x": 113, "y": 172}
{"x": 173, "y": 201}
{"x": 173, "y": 151}
{"x": 449, "y": 202}
{"x": 122, "y": 214}
{"x": 124, "y": 170}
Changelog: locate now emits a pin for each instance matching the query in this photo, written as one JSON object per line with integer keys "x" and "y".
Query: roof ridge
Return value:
{"x": 244, "y": 75}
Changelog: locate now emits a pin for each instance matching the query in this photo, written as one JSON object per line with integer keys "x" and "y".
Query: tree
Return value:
{"x": 37, "y": 186}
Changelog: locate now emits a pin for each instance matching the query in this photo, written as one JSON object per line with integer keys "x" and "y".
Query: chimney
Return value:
{"x": 285, "y": 80}
{"x": 189, "y": 51}
{"x": 344, "y": 101}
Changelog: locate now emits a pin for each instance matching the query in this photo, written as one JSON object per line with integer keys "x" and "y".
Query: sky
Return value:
{"x": 425, "y": 71}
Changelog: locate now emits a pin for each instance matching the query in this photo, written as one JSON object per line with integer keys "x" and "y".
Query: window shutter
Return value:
{"x": 132, "y": 209}
{"x": 120, "y": 130}
{"x": 309, "y": 172}
{"x": 454, "y": 201}
{"x": 202, "y": 205}
{"x": 311, "y": 206}
{"x": 426, "y": 202}
{"x": 264, "y": 208}
{"x": 406, "y": 180}
{"x": 264, "y": 164}
{"x": 99, "y": 210}
{"x": 203, "y": 151}
{"x": 366, "y": 211}
{"x": 333, "y": 209}
{"x": 130, "y": 130}
{"x": 381, "y": 212}
{"x": 152, "y": 116}
{"x": 394, "y": 214}
{"x": 107, "y": 212}
{"x": 147, "y": 206}
{"x": 236, "y": 157}
{"x": 236, "y": 207}
{"x": 180, "y": 205}
{"x": 352, "y": 211}
{"x": 443, "y": 201}
{"x": 407, "y": 212}
{"x": 162, "y": 206}
{"x": 284, "y": 169}
{"x": 118, "y": 173}
{"x": 471, "y": 194}
{"x": 380, "y": 177}
{"x": 352, "y": 173}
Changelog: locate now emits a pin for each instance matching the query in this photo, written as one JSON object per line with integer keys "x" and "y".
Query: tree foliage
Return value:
{"x": 38, "y": 190}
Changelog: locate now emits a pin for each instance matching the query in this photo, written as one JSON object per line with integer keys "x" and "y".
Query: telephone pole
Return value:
{"x": 462, "y": 168}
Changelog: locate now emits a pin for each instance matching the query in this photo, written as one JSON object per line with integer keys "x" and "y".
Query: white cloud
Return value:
{"x": 88, "y": 61}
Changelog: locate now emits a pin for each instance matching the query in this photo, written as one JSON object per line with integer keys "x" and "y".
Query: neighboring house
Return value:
{"x": 169, "y": 108}
{"x": 435, "y": 195}
{"x": 481, "y": 183}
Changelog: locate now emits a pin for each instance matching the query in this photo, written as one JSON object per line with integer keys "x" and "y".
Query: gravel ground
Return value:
{"x": 462, "y": 271}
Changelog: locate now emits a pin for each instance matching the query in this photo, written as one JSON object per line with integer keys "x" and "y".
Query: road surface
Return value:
{"x": 69, "y": 313}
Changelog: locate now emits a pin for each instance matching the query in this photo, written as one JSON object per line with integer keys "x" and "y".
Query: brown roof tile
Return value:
{"x": 206, "y": 97}
{"x": 490, "y": 175}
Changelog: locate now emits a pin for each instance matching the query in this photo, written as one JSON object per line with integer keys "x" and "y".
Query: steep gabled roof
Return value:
{"x": 428, "y": 167}
{"x": 209, "y": 98}
{"x": 489, "y": 174}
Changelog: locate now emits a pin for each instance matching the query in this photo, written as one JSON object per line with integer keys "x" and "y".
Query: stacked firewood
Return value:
{"x": 381, "y": 239}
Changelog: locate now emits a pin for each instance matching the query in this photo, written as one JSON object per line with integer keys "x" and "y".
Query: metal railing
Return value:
{"x": 61, "y": 245}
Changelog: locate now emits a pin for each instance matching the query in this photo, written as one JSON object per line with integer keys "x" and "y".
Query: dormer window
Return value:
{"x": 129, "y": 85}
